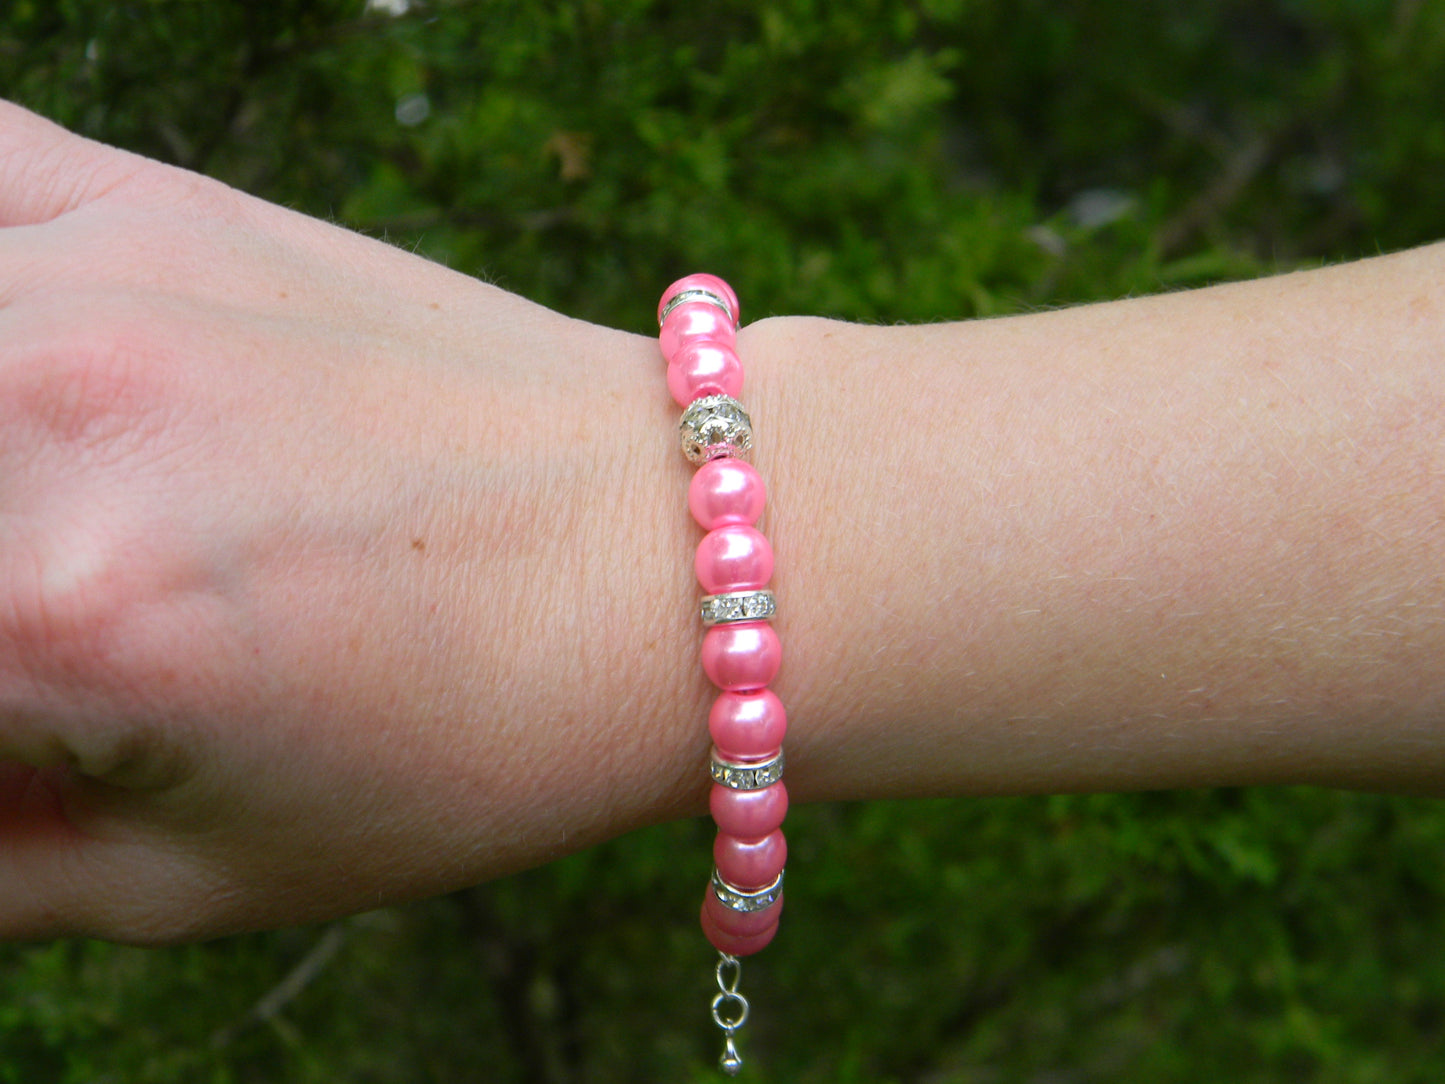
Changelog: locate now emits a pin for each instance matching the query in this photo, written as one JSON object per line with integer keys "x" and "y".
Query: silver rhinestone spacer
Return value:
{"x": 743, "y": 899}
{"x": 714, "y": 426}
{"x": 745, "y": 775}
{"x": 696, "y": 294}
{"x": 738, "y": 606}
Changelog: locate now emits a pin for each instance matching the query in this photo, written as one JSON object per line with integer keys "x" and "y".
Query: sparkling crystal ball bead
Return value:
{"x": 748, "y": 814}
{"x": 741, "y": 657}
{"x": 715, "y": 425}
{"x": 735, "y": 557}
{"x": 747, "y": 725}
{"x": 726, "y": 492}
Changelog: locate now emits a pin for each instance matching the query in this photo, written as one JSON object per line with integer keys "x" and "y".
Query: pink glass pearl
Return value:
{"x": 739, "y": 923}
{"x": 734, "y": 557}
{"x": 747, "y": 725}
{"x": 711, "y": 283}
{"x": 692, "y": 321}
{"x": 704, "y": 368}
{"x": 748, "y": 814}
{"x": 732, "y": 944}
{"x": 750, "y": 863}
{"x": 743, "y": 656}
{"x": 725, "y": 492}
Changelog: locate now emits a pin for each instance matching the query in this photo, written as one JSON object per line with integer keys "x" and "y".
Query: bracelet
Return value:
{"x": 698, "y": 318}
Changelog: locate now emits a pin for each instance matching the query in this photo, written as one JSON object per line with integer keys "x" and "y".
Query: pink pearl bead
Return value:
{"x": 743, "y": 656}
{"x": 704, "y": 368}
{"x": 691, "y": 322}
{"x": 734, "y": 557}
{"x": 724, "y": 492}
{"x": 739, "y": 923}
{"x": 747, "y": 725}
{"x": 750, "y": 863}
{"x": 711, "y": 283}
{"x": 748, "y": 814}
{"x": 734, "y": 945}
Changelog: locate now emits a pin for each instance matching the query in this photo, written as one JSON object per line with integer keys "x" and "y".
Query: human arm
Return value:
{"x": 1184, "y": 540}
{"x": 331, "y": 577}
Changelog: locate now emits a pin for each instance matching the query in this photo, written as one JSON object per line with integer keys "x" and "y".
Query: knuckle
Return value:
{"x": 66, "y": 607}
{"x": 75, "y": 412}
{"x": 84, "y": 383}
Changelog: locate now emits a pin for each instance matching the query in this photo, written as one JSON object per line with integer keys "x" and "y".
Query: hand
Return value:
{"x": 314, "y": 588}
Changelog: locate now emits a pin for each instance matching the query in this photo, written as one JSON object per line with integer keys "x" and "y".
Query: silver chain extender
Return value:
{"x": 729, "y": 1010}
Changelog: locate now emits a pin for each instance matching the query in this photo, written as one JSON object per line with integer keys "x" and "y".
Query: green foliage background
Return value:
{"x": 880, "y": 160}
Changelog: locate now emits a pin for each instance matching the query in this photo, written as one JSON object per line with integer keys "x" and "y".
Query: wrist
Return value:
{"x": 1174, "y": 541}
{"x": 577, "y": 649}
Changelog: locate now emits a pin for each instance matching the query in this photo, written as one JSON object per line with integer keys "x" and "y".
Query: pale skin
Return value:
{"x": 330, "y": 577}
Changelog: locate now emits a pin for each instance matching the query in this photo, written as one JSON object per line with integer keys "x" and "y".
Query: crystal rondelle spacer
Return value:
{"x": 746, "y": 900}
{"x": 713, "y": 426}
{"x": 687, "y": 296}
{"x": 738, "y": 606}
{"x": 702, "y": 283}
{"x": 746, "y": 775}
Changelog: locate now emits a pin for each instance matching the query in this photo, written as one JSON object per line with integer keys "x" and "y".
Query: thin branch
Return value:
{"x": 1239, "y": 170}
{"x": 289, "y": 988}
